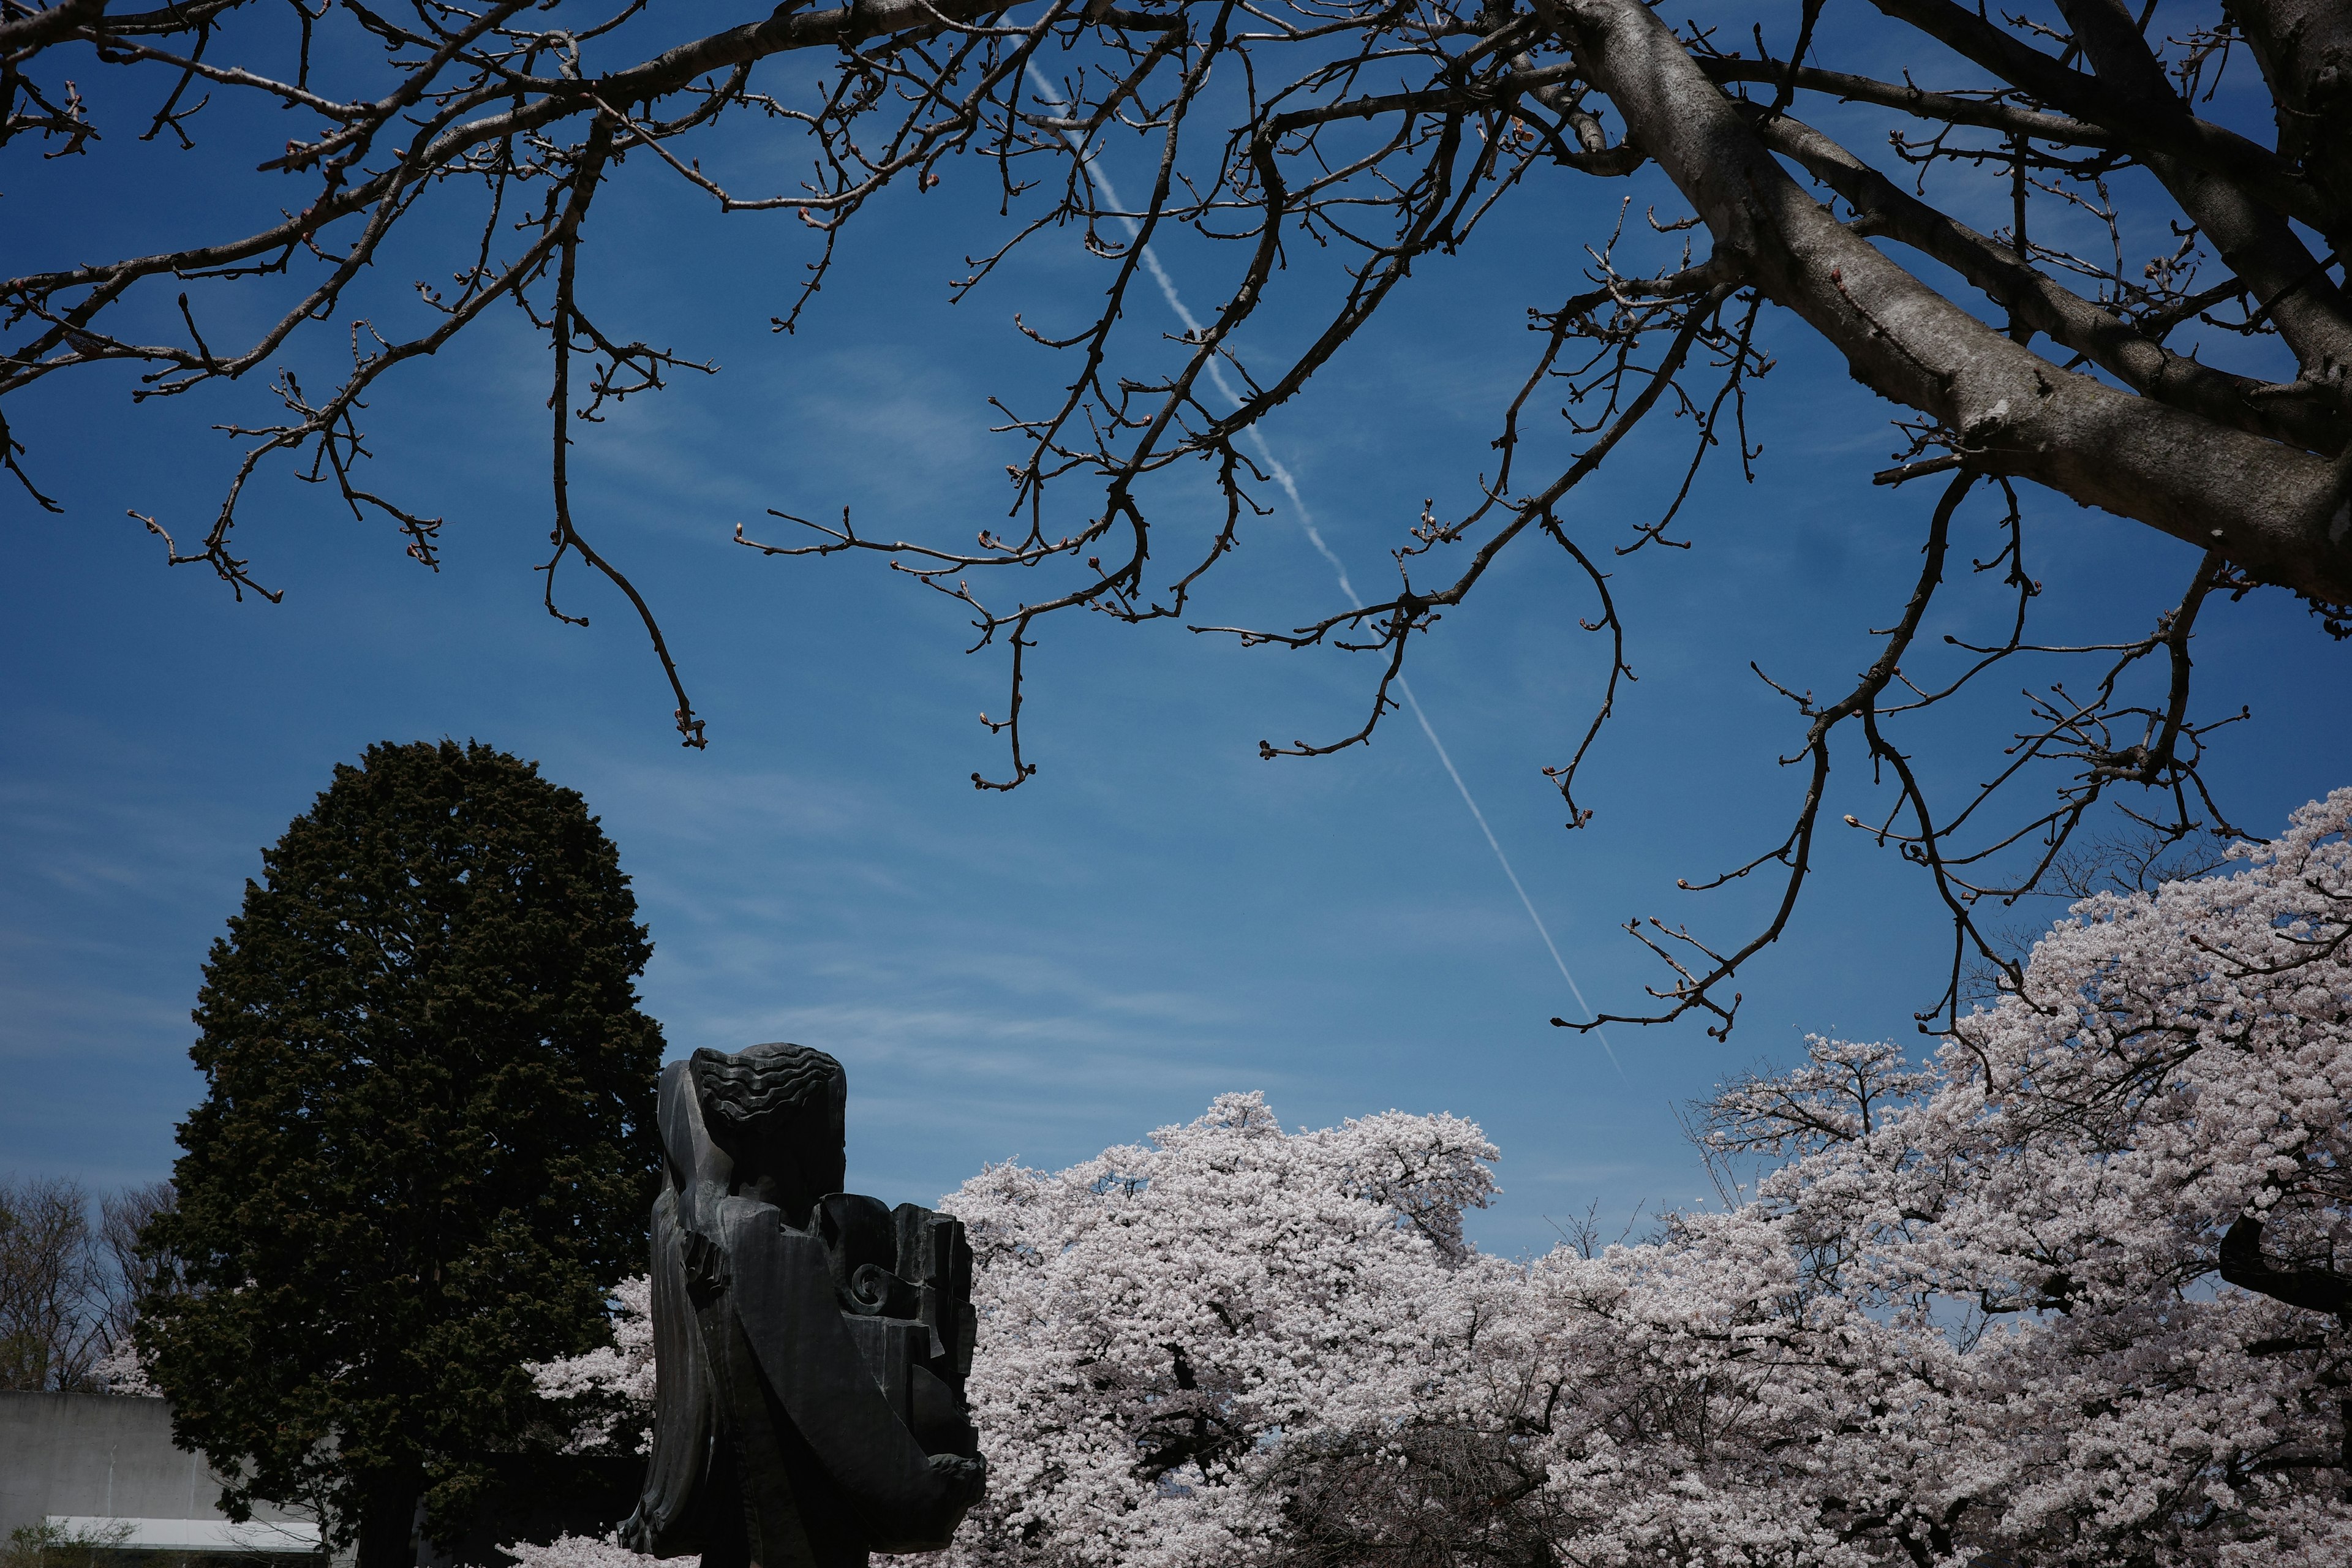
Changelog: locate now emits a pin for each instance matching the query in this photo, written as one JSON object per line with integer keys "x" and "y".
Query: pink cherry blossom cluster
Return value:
{"x": 2073, "y": 1291}
{"x": 611, "y": 1388}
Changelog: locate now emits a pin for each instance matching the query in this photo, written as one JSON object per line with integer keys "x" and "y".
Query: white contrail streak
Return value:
{"x": 1314, "y": 536}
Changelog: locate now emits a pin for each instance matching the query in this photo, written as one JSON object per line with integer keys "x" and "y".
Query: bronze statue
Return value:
{"x": 809, "y": 1345}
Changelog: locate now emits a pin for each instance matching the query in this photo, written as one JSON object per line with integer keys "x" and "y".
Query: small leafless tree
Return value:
{"x": 132, "y": 1267}
{"x": 52, "y": 1321}
{"x": 70, "y": 1291}
{"x": 1332, "y": 146}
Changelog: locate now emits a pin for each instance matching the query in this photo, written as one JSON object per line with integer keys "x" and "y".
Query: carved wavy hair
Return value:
{"x": 741, "y": 1092}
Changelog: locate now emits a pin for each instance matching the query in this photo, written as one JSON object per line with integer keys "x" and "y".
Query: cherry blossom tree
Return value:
{"x": 2094, "y": 1245}
{"x": 2067, "y": 1291}
{"x": 2071, "y": 1292}
{"x": 1160, "y": 1319}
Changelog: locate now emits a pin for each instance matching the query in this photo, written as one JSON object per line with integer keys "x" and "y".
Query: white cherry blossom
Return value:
{"x": 2071, "y": 1292}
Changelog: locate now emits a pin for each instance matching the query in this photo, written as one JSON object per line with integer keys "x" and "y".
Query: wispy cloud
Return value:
{"x": 1283, "y": 477}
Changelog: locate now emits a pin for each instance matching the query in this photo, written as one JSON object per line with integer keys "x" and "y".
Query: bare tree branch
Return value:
{"x": 2205, "y": 392}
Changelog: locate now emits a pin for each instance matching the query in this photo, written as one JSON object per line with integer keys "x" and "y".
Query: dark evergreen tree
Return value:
{"x": 427, "y": 1146}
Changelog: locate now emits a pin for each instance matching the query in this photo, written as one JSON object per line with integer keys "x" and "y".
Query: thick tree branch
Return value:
{"x": 2314, "y": 1290}
{"x": 2259, "y": 172}
{"x": 2290, "y": 284}
{"x": 2278, "y": 513}
{"x": 2309, "y": 415}
{"x": 27, "y": 34}
{"x": 2305, "y": 49}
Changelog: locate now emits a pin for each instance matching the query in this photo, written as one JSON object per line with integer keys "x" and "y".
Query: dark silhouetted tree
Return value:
{"x": 426, "y": 1148}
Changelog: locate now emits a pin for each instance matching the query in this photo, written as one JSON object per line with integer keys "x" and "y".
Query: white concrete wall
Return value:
{"x": 101, "y": 1454}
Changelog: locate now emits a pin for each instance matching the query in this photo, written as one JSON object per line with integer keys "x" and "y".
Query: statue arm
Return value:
{"x": 664, "y": 1524}
{"x": 700, "y": 1173}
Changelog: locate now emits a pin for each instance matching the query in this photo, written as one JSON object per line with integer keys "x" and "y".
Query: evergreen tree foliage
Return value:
{"x": 426, "y": 1148}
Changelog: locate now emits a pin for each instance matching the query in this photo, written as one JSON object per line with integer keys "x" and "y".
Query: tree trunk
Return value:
{"x": 388, "y": 1522}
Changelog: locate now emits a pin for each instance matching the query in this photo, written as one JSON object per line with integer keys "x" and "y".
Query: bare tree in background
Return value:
{"x": 52, "y": 1320}
{"x": 133, "y": 1268}
{"x": 2199, "y": 388}
{"x": 70, "y": 1291}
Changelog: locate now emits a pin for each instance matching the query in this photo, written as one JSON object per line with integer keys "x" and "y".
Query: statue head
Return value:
{"x": 778, "y": 1110}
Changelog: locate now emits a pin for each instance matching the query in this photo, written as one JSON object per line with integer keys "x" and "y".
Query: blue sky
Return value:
{"x": 1158, "y": 916}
